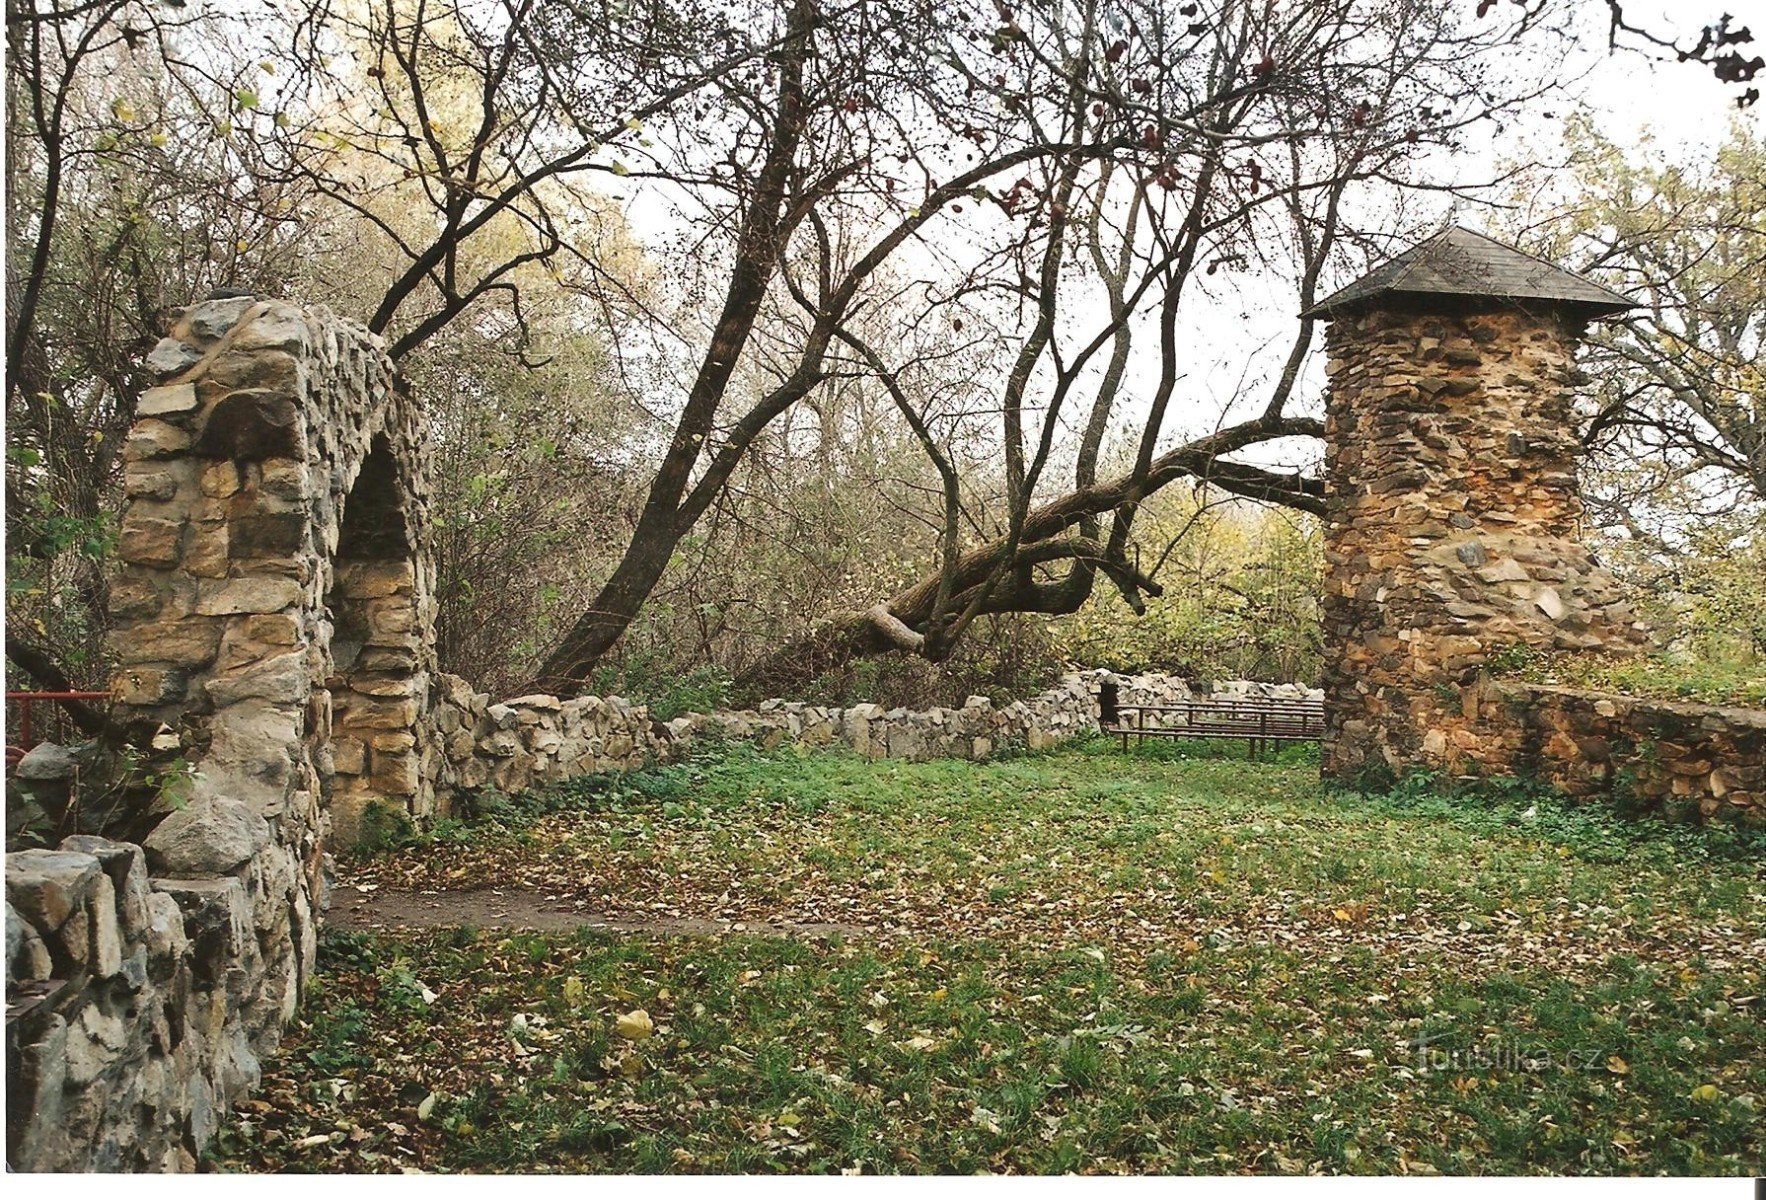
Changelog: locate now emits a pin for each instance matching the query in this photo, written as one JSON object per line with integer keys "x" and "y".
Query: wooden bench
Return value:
{"x": 1261, "y": 722}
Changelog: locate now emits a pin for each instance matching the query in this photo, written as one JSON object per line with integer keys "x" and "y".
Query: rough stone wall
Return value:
{"x": 1683, "y": 761}
{"x": 1451, "y": 517}
{"x": 275, "y": 507}
{"x": 541, "y": 739}
{"x": 167, "y": 990}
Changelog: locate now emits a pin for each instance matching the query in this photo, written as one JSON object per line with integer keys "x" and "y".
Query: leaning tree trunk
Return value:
{"x": 912, "y": 621}
{"x": 566, "y": 671}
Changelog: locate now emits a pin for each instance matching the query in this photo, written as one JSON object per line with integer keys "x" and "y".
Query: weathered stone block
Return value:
{"x": 147, "y": 483}
{"x": 165, "y": 938}
{"x": 208, "y": 321}
{"x": 126, "y": 866}
{"x": 394, "y": 774}
{"x": 27, "y": 958}
{"x": 170, "y": 356}
{"x": 43, "y": 1139}
{"x": 190, "y": 643}
{"x": 285, "y": 479}
{"x": 49, "y": 886}
{"x": 368, "y": 580}
{"x": 220, "y": 479}
{"x": 212, "y": 835}
{"x": 275, "y": 326}
{"x": 161, "y": 401}
{"x": 154, "y": 439}
{"x": 150, "y": 541}
{"x": 216, "y": 923}
{"x": 382, "y": 686}
{"x": 207, "y": 551}
{"x": 267, "y": 534}
{"x": 251, "y": 594}
{"x": 282, "y": 679}
{"x": 149, "y": 686}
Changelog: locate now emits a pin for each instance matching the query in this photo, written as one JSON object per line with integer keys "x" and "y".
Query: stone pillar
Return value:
{"x": 1452, "y": 513}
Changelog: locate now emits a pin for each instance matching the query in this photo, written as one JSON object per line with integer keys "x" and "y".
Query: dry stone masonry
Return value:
{"x": 274, "y": 605}
{"x": 272, "y": 610}
{"x": 1698, "y": 762}
{"x": 1452, "y": 516}
{"x": 1452, "y": 511}
{"x": 532, "y": 740}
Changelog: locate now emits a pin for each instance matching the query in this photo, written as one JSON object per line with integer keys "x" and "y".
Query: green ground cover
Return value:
{"x": 1077, "y": 961}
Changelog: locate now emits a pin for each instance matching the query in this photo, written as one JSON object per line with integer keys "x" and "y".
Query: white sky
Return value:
{"x": 1681, "y": 102}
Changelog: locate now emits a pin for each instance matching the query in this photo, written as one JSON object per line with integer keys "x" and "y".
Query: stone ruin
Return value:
{"x": 274, "y": 601}
{"x": 1451, "y": 539}
{"x": 272, "y": 611}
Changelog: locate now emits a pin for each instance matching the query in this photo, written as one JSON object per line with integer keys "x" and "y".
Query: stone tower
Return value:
{"x": 1452, "y": 506}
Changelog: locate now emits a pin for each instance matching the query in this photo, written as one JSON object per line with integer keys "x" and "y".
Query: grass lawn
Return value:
{"x": 1075, "y": 961}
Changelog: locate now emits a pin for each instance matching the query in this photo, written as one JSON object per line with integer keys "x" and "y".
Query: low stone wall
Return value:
{"x": 1695, "y": 762}
{"x": 1683, "y": 761}
{"x": 540, "y": 739}
{"x": 146, "y": 985}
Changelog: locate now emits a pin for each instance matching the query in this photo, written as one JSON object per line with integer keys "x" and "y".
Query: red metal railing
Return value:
{"x": 26, "y": 735}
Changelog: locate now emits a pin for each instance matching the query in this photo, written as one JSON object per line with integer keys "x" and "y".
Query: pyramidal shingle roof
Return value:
{"x": 1458, "y": 262}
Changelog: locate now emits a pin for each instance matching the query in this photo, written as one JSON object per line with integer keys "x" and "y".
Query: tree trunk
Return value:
{"x": 566, "y": 671}
{"x": 915, "y": 612}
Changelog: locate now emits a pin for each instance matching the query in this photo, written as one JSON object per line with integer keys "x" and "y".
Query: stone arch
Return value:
{"x": 271, "y": 613}
{"x": 277, "y": 492}
{"x": 379, "y": 668}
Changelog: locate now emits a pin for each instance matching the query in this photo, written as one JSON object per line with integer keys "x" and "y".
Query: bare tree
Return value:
{"x": 1268, "y": 166}
{"x": 120, "y": 203}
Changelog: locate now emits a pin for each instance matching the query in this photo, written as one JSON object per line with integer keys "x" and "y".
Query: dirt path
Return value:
{"x": 390, "y": 910}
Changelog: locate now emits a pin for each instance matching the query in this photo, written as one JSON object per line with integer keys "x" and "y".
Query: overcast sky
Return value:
{"x": 1681, "y": 102}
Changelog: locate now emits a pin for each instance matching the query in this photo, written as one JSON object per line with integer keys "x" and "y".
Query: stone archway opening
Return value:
{"x": 374, "y": 651}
